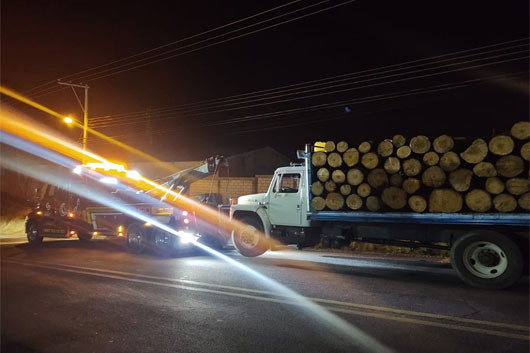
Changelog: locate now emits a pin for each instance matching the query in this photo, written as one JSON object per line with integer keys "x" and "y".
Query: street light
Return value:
{"x": 84, "y": 107}
{"x": 68, "y": 120}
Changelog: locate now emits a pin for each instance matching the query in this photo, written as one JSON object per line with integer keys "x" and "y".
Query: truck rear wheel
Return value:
{"x": 249, "y": 240}
{"x": 84, "y": 236}
{"x": 487, "y": 259}
{"x": 34, "y": 237}
{"x": 136, "y": 238}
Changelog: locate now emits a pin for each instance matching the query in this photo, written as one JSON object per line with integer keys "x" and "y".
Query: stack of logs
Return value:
{"x": 435, "y": 175}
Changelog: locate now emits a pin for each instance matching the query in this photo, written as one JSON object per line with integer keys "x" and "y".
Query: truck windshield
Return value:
{"x": 290, "y": 183}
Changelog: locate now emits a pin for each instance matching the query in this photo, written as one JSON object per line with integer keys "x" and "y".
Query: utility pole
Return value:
{"x": 84, "y": 107}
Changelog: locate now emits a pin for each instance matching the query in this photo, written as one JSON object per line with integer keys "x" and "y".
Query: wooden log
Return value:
{"x": 365, "y": 147}
{"x": 351, "y": 157}
{"x": 398, "y": 140}
{"x": 373, "y": 203}
{"x": 394, "y": 197}
{"x": 385, "y": 148}
{"x": 443, "y": 144}
{"x": 417, "y": 203}
{"x": 392, "y": 165}
{"x": 504, "y": 203}
{"x": 329, "y": 146}
{"x": 445, "y": 200}
{"x": 485, "y": 170}
{"x": 318, "y": 203}
{"x": 525, "y": 151}
{"x": 338, "y": 176}
{"x": 478, "y": 200}
{"x": 494, "y": 185}
{"x": 323, "y": 174}
{"x": 420, "y": 144}
{"x": 364, "y": 190}
{"x": 411, "y": 185}
{"x": 318, "y": 159}
{"x": 334, "y": 201}
{"x": 377, "y": 178}
{"x": 334, "y": 160}
{"x": 370, "y": 160}
{"x": 431, "y": 158}
{"x": 521, "y": 130}
{"x": 517, "y": 186}
{"x": 330, "y": 186}
{"x": 476, "y": 152}
{"x": 342, "y": 146}
{"x": 449, "y": 161}
{"x": 345, "y": 189}
{"x": 524, "y": 201}
{"x": 354, "y": 202}
{"x": 433, "y": 177}
{"x": 403, "y": 152}
{"x": 501, "y": 145}
{"x": 411, "y": 167}
{"x": 354, "y": 176}
{"x": 510, "y": 166}
{"x": 396, "y": 180}
{"x": 317, "y": 188}
{"x": 460, "y": 179}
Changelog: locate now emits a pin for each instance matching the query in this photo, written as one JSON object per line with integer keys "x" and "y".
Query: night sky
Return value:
{"x": 44, "y": 40}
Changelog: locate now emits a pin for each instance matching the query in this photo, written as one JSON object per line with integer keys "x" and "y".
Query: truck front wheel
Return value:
{"x": 249, "y": 239}
{"x": 136, "y": 238}
{"x": 33, "y": 234}
{"x": 487, "y": 259}
{"x": 84, "y": 236}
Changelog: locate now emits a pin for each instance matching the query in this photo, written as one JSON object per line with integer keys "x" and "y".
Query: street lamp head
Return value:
{"x": 68, "y": 120}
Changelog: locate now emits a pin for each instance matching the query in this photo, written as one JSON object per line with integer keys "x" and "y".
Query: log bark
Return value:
{"x": 478, "y": 200}
{"x": 373, "y": 203}
{"x": 334, "y": 201}
{"x": 494, "y": 185}
{"x": 411, "y": 185}
{"x": 521, "y": 130}
{"x": 476, "y": 152}
{"x": 351, "y": 157}
{"x": 330, "y": 186}
{"x": 318, "y": 203}
{"x": 329, "y": 146}
{"x": 403, "y": 152}
{"x": 510, "y": 166}
{"x": 411, "y": 167}
{"x": 485, "y": 170}
{"x": 345, "y": 189}
{"x": 525, "y": 151}
{"x": 443, "y": 144}
{"x": 392, "y": 165}
{"x": 342, "y": 146}
{"x": 524, "y": 201}
{"x": 385, "y": 148}
{"x": 317, "y": 188}
{"x": 323, "y": 174}
{"x": 445, "y": 200}
{"x": 370, "y": 160}
{"x": 364, "y": 190}
{"x": 504, "y": 203}
{"x": 354, "y": 176}
{"x": 396, "y": 180}
{"x": 377, "y": 178}
{"x": 338, "y": 176}
{"x": 501, "y": 145}
{"x": 449, "y": 161}
{"x": 334, "y": 160}
{"x": 431, "y": 158}
{"x": 417, "y": 203}
{"x": 398, "y": 140}
{"x": 354, "y": 202}
{"x": 434, "y": 177}
{"x": 420, "y": 144}
{"x": 318, "y": 159}
{"x": 365, "y": 147}
{"x": 460, "y": 179}
{"x": 394, "y": 197}
{"x": 517, "y": 186}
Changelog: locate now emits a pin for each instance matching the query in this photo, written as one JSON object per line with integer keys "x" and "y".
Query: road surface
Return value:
{"x": 68, "y": 296}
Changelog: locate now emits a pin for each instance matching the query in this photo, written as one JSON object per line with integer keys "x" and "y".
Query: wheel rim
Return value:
{"x": 485, "y": 259}
{"x": 249, "y": 237}
{"x": 134, "y": 239}
{"x": 32, "y": 234}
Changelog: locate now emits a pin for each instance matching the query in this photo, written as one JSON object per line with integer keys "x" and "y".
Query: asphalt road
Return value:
{"x": 68, "y": 296}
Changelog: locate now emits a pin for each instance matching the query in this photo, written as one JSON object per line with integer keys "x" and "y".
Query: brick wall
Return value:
{"x": 231, "y": 187}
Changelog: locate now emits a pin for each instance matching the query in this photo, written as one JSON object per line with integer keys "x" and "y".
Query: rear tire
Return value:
{"x": 84, "y": 237}
{"x": 250, "y": 240}
{"x": 136, "y": 238}
{"x": 487, "y": 259}
{"x": 34, "y": 237}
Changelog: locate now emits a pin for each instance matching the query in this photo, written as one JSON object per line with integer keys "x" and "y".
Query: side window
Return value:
{"x": 290, "y": 183}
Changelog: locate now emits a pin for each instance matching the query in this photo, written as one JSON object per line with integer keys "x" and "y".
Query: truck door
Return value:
{"x": 285, "y": 202}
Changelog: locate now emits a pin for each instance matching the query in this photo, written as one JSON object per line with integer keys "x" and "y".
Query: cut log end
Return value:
{"x": 460, "y": 179}
{"x": 398, "y": 140}
{"x": 524, "y": 201}
{"x": 351, "y": 157}
{"x": 517, "y": 186}
{"x": 370, "y": 160}
{"x": 318, "y": 159}
{"x": 510, "y": 166}
{"x": 330, "y": 186}
{"x": 365, "y": 147}
{"x": 377, "y": 178}
{"x": 392, "y": 165}
{"x": 334, "y": 160}
{"x": 323, "y": 174}
{"x": 478, "y": 200}
{"x": 501, "y": 145}
{"x": 521, "y": 130}
{"x": 354, "y": 176}
{"x": 373, "y": 203}
{"x": 385, "y": 148}
{"x": 445, "y": 200}
{"x": 449, "y": 161}
{"x": 334, "y": 201}
{"x": 403, "y": 152}
{"x": 342, "y": 146}
{"x": 317, "y": 188}
{"x": 345, "y": 189}
{"x": 420, "y": 144}
{"x": 476, "y": 152}
{"x": 396, "y": 180}
{"x": 504, "y": 203}
{"x": 354, "y": 202}
{"x": 434, "y": 177}
{"x": 494, "y": 185}
{"x": 431, "y": 158}
{"x": 329, "y": 146}
{"x": 443, "y": 144}
{"x": 338, "y": 176}
{"x": 318, "y": 203}
{"x": 364, "y": 190}
{"x": 525, "y": 151}
{"x": 411, "y": 167}
{"x": 417, "y": 203}
{"x": 411, "y": 185}
{"x": 485, "y": 170}
{"x": 394, "y": 197}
